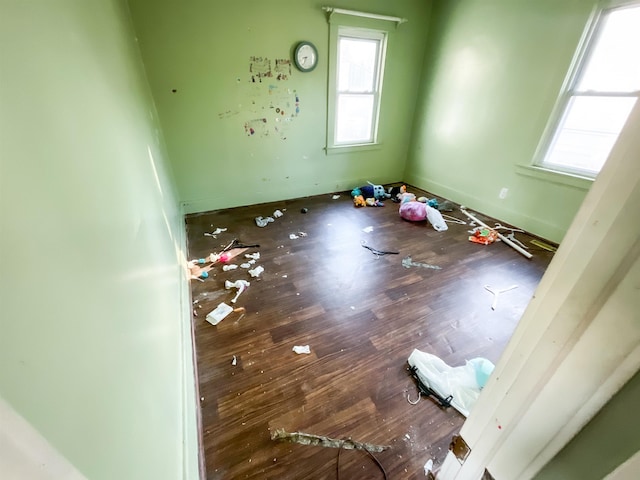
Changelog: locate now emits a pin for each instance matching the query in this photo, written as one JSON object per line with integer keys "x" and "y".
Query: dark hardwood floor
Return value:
{"x": 361, "y": 315}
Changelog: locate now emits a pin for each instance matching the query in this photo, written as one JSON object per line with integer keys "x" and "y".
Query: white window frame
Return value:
{"x": 334, "y": 94}
{"x": 569, "y": 89}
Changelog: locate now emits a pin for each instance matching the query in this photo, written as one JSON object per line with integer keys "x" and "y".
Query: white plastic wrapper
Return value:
{"x": 302, "y": 349}
{"x": 462, "y": 383}
{"x": 435, "y": 218}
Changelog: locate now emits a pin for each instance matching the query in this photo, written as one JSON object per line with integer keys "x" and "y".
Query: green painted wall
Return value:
{"x": 606, "y": 442}
{"x": 91, "y": 316}
{"x": 202, "y": 49}
{"x": 491, "y": 78}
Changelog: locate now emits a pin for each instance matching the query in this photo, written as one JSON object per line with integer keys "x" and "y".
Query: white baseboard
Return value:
{"x": 531, "y": 224}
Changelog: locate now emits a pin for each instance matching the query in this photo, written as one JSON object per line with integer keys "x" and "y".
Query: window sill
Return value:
{"x": 561, "y": 178}
{"x": 352, "y": 148}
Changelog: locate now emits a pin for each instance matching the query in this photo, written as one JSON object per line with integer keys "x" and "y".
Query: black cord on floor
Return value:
{"x": 370, "y": 454}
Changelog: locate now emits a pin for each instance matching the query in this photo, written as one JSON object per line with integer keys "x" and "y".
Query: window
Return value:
{"x": 600, "y": 92}
{"x": 358, "y": 68}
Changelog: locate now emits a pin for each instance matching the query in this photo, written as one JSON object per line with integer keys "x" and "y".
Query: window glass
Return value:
{"x": 354, "y": 119}
{"x": 356, "y": 72}
{"x": 614, "y": 65}
{"x": 596, "y": 104}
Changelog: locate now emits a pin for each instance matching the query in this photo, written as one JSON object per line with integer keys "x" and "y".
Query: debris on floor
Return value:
{"x": 377, "y": 252}
{"x": 215, "y": 233}
{"x": 368, "y": 229}
{"x": 407, "y": 262}
{"x": 234, "y": 362}
{"x": 446, "y": 206}
{"x": 294, "y": 236}
{"x": 450, "y": 219}
{"x": 322, "y": 441}
{"x": 457, "y": 386}
{"x": 415, "y": 211}
{"x": 236, "y": 244}
{"x": 277, "y": 214}
{"x": 428, "y": 467}
{"x": 483, "y": 236}
{"x": 253, "y": 256}
{"x": 240, "y": 285}
{"x": 263, "y": 222}
{"x": 256, "y": 271}
{"x": 543, "y": 245}
{"x": 231, "y": 266}
{"x": 217, "y": 315}
{"x": 497, "y": 292}
{"x": 300, "y": 349}
{"x": 500, "y": 236}
{"x": 335, "y": 197}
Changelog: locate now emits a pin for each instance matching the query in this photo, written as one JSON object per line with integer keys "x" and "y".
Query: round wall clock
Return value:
{"x": 306, "y": 56}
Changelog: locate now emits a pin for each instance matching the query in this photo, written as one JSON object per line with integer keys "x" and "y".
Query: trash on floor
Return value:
{"x": 263, "y": 222}
{"x": 256, "y": 271}
{"x": 253, "y": 256}
{"x": 322, "y": 441}
{"x": 240, "y": 285}
{"x": 456, "y": 386}
{"x": 511, "y": 235}
{"x": 216, "y": 316}
{"x": 446, "y": 206}
{"x": 377, "y": 252}
{"x": 293, "y": 236}
{"x": 335, "y": 197}
{"x": 215, "y": 233}
{"x": 237, "y": 244}
{"x": 414, "y": 211}
{"x": 450, "y": 219}
{"x": 543, "y": 245}
{"x": 277, "y": 214}
{"x": 240, "y": 310}
{"x": 483, "y": 236}
{"x": 407, "y": 262}
{"x": 428, "y": 467}
{"x": 234, "y": 362}
{"x": 231, "y": 266}
{"x": 368, "y": 229}
{"x": 245, "y": 265}
{"x": 197, "y": 271}
{"x": 496, "y": 292}
{"x": 500, "y": 236}
{"x": 300, "y": 349}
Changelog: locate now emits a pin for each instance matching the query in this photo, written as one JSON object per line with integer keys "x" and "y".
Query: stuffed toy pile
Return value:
{"x": 415, "y": 211}
{"x": 369, "y": 195}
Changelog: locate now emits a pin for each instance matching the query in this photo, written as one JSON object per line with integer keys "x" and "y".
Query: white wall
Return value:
{"x": 93, "y": 345}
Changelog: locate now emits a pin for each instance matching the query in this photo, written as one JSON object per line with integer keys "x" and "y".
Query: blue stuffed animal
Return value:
{"x": 373, "y": 191}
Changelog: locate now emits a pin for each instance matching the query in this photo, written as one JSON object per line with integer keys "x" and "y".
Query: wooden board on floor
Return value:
{"x": 362, "y": 315}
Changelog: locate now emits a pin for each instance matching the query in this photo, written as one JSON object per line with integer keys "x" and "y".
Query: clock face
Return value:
{"x": 306, "y": 57}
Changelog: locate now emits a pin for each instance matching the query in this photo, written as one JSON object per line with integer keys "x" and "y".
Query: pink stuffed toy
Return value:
{"x": 415, "y": 211}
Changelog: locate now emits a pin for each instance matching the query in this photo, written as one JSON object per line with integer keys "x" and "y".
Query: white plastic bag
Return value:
{"x": 435, "y": 218}
{"x": 459, "y": 382}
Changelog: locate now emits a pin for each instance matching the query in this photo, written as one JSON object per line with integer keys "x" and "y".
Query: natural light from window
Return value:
{"x": 605, "y": 86}
{"x": 358, "y": 88}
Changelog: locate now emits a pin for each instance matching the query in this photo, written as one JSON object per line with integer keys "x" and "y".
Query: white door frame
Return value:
{"x": 578, "y": 341}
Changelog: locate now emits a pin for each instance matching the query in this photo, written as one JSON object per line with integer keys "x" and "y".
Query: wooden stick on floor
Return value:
{"x": 516, "y": 247}
{"x": 322, "y": 441}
